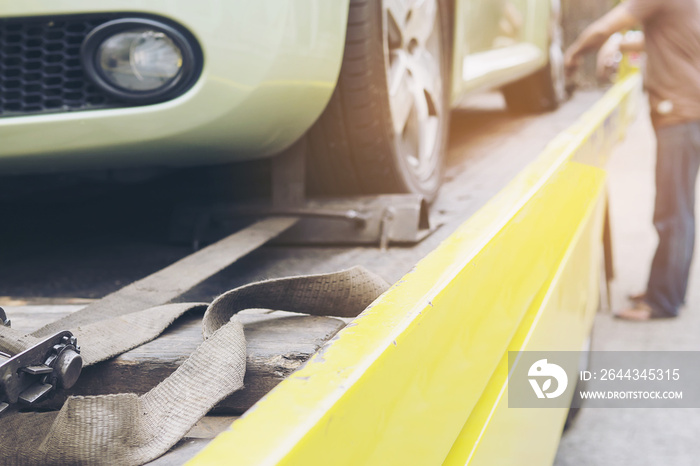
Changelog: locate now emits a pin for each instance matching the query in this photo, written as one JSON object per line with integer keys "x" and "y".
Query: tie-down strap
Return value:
{"x": 127, "y": 429}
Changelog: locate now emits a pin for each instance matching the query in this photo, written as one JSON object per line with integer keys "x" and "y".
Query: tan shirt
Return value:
{"x": 672, "y": 42}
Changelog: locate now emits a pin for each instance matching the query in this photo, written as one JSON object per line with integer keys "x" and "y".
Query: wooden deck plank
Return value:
{"x": 278, "y": 343}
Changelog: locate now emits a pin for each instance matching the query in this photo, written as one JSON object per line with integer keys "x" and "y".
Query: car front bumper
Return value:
{"x": 270, "y": 67}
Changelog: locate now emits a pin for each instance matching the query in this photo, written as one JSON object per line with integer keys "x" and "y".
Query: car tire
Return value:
{"x": 385, "y": 127}
{"x": 544, "y": 90}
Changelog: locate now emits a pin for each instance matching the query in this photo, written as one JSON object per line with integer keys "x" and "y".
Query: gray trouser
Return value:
{"x": 677, "y": 163}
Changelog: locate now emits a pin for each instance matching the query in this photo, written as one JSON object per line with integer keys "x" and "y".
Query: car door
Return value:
{"x": 497, "y": 42}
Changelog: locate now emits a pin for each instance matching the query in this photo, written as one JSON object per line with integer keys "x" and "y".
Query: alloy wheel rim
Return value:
{"x": 414, "y": 73}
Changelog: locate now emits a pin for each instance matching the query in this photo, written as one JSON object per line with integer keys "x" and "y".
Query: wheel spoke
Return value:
{"x": 411, "y": 20}
{"x": 421, "y": 21}
{"x": 401, "y": 93}
{"x": 397, "y": 10}
{"x": 427, "y": 91}
{"x": 425, "y": 69}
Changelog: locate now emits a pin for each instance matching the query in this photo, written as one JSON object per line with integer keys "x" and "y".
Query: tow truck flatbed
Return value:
{"x": 394, "y": 364}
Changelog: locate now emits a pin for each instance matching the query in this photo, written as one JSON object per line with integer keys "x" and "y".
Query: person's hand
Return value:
{"x": 572, "y": 61}
{"x": 609, "y": 57}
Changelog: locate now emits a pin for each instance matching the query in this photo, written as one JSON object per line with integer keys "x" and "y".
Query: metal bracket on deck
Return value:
{"x": 369, "y": 220}
{"x": 384, "y": 219}
{"x": 381, "y": 219}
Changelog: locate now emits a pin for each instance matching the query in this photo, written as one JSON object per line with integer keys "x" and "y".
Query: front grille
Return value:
{"x": 41, "y": 69}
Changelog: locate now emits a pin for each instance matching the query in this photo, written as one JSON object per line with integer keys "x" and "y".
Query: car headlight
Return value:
{"x": 141, "y": 59}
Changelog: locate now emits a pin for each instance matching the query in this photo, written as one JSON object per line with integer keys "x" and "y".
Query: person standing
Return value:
{"x": 672, "y": 43}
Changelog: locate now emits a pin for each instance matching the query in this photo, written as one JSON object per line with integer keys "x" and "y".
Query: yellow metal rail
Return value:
{"x": 420, "y": 376}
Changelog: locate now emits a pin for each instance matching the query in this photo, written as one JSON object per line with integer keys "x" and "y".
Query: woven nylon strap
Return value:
{"x": 127, "y": 429}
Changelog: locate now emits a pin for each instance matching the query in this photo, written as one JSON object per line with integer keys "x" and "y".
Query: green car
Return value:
{"x": 88, "y": 85}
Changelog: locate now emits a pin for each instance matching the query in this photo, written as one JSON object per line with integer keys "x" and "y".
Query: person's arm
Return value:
{"x": 594, "y": 36}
